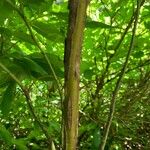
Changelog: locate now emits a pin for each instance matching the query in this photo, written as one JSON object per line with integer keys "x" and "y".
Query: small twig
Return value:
{"x": 116, "y": 90}
{"x": 100, "y": 84}
{"x": 122, "y": 38}
{"x": 117, "y": 74}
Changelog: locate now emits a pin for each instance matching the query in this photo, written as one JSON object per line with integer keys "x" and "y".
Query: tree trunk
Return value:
{"x": 73, "y": 44}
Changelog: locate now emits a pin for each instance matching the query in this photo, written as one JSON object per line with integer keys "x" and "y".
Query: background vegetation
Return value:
{"x": 32, "y": 35}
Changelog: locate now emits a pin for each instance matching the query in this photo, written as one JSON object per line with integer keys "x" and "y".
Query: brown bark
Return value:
{"x": 73, "y": 43}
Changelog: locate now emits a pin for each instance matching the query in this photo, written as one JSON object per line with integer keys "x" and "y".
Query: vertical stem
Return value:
{"x": 73, "y": 44}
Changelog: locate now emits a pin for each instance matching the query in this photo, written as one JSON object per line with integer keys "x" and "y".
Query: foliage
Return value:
{"x": 101, "y": 64}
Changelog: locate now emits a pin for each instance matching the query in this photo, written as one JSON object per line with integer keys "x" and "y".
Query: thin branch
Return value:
{"x": 21, "y": 14}
{"x": 123, "y": 36}
{"x": 28, "y": 100}
{"x": 12, "y": 45}
{"x": 101, "y": 81}
{"x": 117, "y": 74}
{"x": 116, "y": 90}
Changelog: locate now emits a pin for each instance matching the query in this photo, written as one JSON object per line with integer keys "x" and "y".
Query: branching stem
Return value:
{"x": 28, "y": 100}
{"x": 21, "y": 14}
{"x": 116, "y": 90}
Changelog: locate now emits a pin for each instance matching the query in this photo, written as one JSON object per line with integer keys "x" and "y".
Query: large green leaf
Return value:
{"x": 48, "y": 30}
{"x": 39, "y": 6}
{"x": 60, "y": 15}
{"x": 96, "y": 24}
{"x": 4, "y": 79}
{"x": 6, "y": 61}
{"x": 5, "y": 10}
{"x": 147, "y": 24}
{"x": 138, "y": 54}
{"x": 9, "y": 140}
{"x": 30, "y": 66}
{"x": 53, "y": 127}
{"x": 5, "y": 135}
{"x": 20, "y": 144}
{"x": 85, "y": 65}
{"x": 7, "y": 98}
{"x": 96, "y": 139}
{"x": 5, "y": 31}
{"x": 55, "y": 61}
{"x": 16, "y": 69}
{"x": 88, "y": 74}
{"x": 34, "y": 1}
{"x": 24, "y": 37}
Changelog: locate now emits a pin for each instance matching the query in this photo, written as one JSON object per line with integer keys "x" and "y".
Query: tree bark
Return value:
{"x": 73, "y": 44}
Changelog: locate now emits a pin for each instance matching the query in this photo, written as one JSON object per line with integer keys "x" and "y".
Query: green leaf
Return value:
{"x": 5, "y": 31}
{"x": 24, "y": 37}
{"x": 5, "y": 10}
{"x": 96, "y": 139}
{"x": 7, "y": 98}
{"x": 30, "y": 65}
{"x": 12, "y": 66}
{"x": 147, "y": 24}
{"x": 60, "y": 15}
{"x": 87, "y": 127}
{"x": 4, "y": 79}
{"x": 53, "y": 127}
{"x": 35, "y": 134}
{"x": 34, "y": 1}
{"x": 96, "y": 24}
{"x": 88, "y": 74}
{"x": 20, "y": 144}
{"x": 9, "y": 140}
{"x": 56, "y": 62}
{"x": 37, "y": 7}
{"x": 6, "y": 61}
{"x": 49, "y": 31}
{"x": 5, "y": 135}
{"x": 138, "y": 54}
{"x": 85, "y": 65}
{"x": 33, "y": 66}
